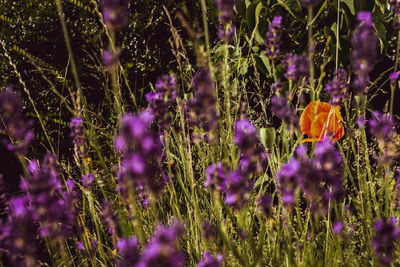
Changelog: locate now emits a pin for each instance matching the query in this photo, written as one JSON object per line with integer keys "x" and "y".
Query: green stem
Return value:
{"x": 393, "y": 85}
{"x": 310, "y": 51}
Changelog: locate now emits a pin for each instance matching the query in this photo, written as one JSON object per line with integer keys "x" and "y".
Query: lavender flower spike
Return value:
{"x": 337, "y": 89}
{"x": 13, "y": 122}
{"x": 364, "y": 52}
{"x": 387, "y": 234}
{"x": 281, "y": 108}
{"x": 273, "y": 38}
{"x": 115, "y": 13}
{"x": 209, "y": 261}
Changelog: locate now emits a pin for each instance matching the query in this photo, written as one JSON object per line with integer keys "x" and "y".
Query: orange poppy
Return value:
{"x": 320, "y": 119}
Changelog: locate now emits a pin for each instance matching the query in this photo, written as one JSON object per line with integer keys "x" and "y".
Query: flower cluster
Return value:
{"x": 78, "y": 136}
{"x": 364, "y": 52}
{"x": 160, "y": 100}
{"x": 209, "y": 261}
{"x": 142, "y": 154}
{"x": 296, "y": 66}
{"x": 318, "y": 178}
{"x": 273, "y": 38}
{"x": 281, "y": 108}
{"x": 216, "y": 177}
{"x": 225, "y": 31}
{"x": 128, "y": 249}
{"x": 386, "y": 235}
{"x": 13, "y": 122}
{"x": 395, "y": 7}
{"x": 225, "y": 8}
{"x": 382, "y": 126}
{"x": 200, "y": 110}
{"x": 337, "y": 89}
{"x": 115, "y": 13}
{"x": 52, "y": 206}
{"x": 162, "y": 249}
{"x": 18, "y": 234}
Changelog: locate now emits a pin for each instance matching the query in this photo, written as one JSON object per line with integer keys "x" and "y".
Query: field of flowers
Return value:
{"x": 199, "y": 133}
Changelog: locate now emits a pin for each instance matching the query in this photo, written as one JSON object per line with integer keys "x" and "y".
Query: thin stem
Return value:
{"x": 310, "y": 51}
{"x": 337, "y": 36}
{"x": 393, "y": 85}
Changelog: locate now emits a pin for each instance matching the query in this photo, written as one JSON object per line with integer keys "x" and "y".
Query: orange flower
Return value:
{"x": 320, "y": 119}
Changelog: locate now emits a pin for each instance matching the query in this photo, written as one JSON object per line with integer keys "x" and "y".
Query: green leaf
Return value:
{"x": 350, "y": 5}
{"x": 334, "y": 29}
{"x": 267, "y": 136}
{"x": 252, "y": 15}
{"x": 293, "y": 7}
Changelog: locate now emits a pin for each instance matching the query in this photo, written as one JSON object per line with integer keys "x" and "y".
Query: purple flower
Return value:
{"x": 52, "y": 205}
{"x": 264, "y": 203}
{"x": 364, "y": 53}
{"x": 361, "y": 121}
{"x": 78, "y": 136}
{"x": 288, "y": 180}
{"x": 200, "y": 110}
{"x": 331, "y": 167}
{"x": 162, "y": 249}
{"x": 309, "y": 3}
{"x": 18, "y": 234}
{"x": 109, "y": 218}
{"x": 216, "y": 177}
{"x": 162, "y": 99}
{"x": 296, "y": 66}
{"x": 237, "y": 191}
{"x": 281, "y": 108}
{"x": 87, "y": 180}
{"x": 386, "y": 235}
{"x": 209, "y": 230}
{"x": 142, "y": 154}
{"x": 382, "y": 126}
{"x": 273, "y": 38}
{"x": 397, "y": 188}
{"x": 88, "y": 252}
{"x": 395, "y": 7}
{"x": 115, "y": 13}
{"x": 337, "y": 88}
{"x": 226, "y": 35}
{"x": 277, "y": 87}
{"x": 110, "y": 59}
{"x": 128, "y": 249}
{"x": 337, "y": 227}
{"x": 13, "y": 122}
{"x": 209, "y": 261}
{"x": 253, "y": 158}
{"x": 225, "y": 10}
{"x": 394, "y": 77}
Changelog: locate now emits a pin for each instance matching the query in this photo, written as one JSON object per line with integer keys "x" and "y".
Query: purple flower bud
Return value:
{"x": 142, "y": 154}
{"x": 87, "y": 180}
{"x": 364, "y": 52}
{"x": 13, "y": 122}
{"x": 162, "y": 99}
{"x": 237, "y": 192}
{"x": 115, "y": 13}
{"x": 78, "y": 136}
{"x": 273, "y": 38}
{"x": 209, "y": 230}
{"x": 162, "y": 249}
{"x": 217, "y": 177}
{"x": 128, "y": 249}
{"x": 386, "y": 235}
{"x": 226, "y": 35}
{"x": 200, "y": 110}
{"x": 209, "y": 261}
{"x": 338, "y": 227}
{"x": 110, "y": 60}
{"x": 338, "y": 87}
{"x": 281, "y": 108}
{"x": 382, "y": 126}
{"x": 394, "y": 77}
{"x": 225, "y": 10}
{"x": 296, "y": 66}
